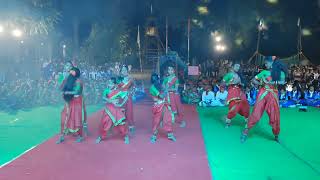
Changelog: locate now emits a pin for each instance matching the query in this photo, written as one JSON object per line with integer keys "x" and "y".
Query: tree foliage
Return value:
{"x": 33, "y": 16}
{"x": 107, "y": 43}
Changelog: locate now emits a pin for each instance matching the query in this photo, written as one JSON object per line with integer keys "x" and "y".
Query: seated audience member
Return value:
{"x": 190, "y": 95}
{"x": 283, "y": 99}
{"x": 215, "y": 87}
{"x": 207, "y": 97}
{"x": 294, "y": 96}
{"x": 311, "y": 98}
{"x": 221, "y": 97}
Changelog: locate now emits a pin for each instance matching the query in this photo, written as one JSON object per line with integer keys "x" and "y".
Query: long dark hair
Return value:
{"x": 114, "y": 80}
{"x": 155, "y": 80}
{"x": 277, "y": 67}
{"x": 70, "y": 82}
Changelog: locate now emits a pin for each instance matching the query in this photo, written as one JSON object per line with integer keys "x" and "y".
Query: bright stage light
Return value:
{"x": 306, "y": 32}
{"x": 218, "y": 38}
{"x": 17, "y": 33}
{"x": 220, "y": 48}
{"x": 21, "y": 42}
{"x": 64, "y": 46}
{"x": 272, "y": 1}
{"x": 1, "y": 28}
{"x": 203, "y": 10}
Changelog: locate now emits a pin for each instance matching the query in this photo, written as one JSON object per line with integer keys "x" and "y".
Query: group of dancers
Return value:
{"x": 118, "y": 111}
{"x": 267, "y": 99}
{"x": 167, "y": 109}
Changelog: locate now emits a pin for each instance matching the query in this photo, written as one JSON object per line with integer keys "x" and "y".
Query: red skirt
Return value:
{"x": 112, "y": 117}
{"x": 129, "y": 111}
{"x": 162, "y": 112}
{"x": 72, "y": 116}
{"x": 235, "y": 93}
{"x": 175, "y": 103}
{"x": 238, "y": 103}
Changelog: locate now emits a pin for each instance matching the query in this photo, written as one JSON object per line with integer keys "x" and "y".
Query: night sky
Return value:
{"x": 229, "y": 15}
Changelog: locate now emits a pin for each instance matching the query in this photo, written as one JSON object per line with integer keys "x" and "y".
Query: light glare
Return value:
{"x": 220, "y": 48}
{"x": 203, "y": 10}
{"x": 218, "y": 38}
{"x": 272, "y": 1}
{"x": 17, "y": 33}
{"x": 306, "y": 32}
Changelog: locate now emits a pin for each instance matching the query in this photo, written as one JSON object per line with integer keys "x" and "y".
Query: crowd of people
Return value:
{"x": 302, "y": 87}
{"x": 21, "y": 89}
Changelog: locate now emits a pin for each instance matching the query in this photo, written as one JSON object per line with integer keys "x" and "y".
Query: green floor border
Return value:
{"x": 27, "y": 129}
{"x": 260, "y": 157}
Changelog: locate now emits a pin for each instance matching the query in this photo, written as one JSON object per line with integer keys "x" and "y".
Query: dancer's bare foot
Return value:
{"x": 60, "y": 140}
{"x": 228, "y": 123}
{"x": 244, "y": 135}
{"x": 98, "y": 140}
{"x": 132, "y": 129}
{"x": 79, "y": 139}
{"x": 126, "y": 139}
{"x": 183, "y": 124}
{"x": 172, "y": 137}
{"x": 153, "y": 139}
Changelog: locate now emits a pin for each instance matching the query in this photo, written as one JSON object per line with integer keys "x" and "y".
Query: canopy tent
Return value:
{"x": 258, "y": 59}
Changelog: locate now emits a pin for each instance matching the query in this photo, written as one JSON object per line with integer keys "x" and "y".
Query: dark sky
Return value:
{"x": 277, "y": 40}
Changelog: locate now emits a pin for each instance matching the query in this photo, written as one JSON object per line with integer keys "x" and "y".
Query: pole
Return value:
{"x": 139, "y": 49}
{"x": 299, "y": 42}
{"x": 167, "y": 35}
{"x": 258, "y": 42}
{"x": 188, "y": 40}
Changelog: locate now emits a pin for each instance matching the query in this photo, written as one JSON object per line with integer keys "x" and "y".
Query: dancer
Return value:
{"x": 112, "y": 115}
{"x": 72, "y": 119}
{"x": 62, "y": 76}
{"x": 267, "y": 98}
{"x": 236, "y": 97}
{"x": 171, "y": 84}
{"x": 127, "y": 85}
{"x": 162, "y": 113}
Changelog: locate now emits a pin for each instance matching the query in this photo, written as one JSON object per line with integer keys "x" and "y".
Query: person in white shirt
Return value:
{"x": 207, "y": 97}
{"x": 221, "y": 97}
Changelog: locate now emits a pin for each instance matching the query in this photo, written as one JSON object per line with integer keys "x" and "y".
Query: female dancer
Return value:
{"x": 72, "y": 115}
{"x": 113, "y": 116}
{"x": 267, "y": 98}
{"x": 162, "y": 113}
{"x": 237, "y": 101}
{"x": 127, "y": 85}
{"x": 171, "y": 84}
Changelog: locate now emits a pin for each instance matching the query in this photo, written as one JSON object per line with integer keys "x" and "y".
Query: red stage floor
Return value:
{"x": 185, "y": 159}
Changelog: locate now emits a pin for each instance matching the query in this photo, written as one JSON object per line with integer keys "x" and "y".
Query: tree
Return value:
{"x": 107, "y": 43}
{"x": 33, "y": 16}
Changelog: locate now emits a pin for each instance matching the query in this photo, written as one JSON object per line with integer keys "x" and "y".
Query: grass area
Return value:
{"x": 260, "y": 157}
{"x": 22, "y": 131}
